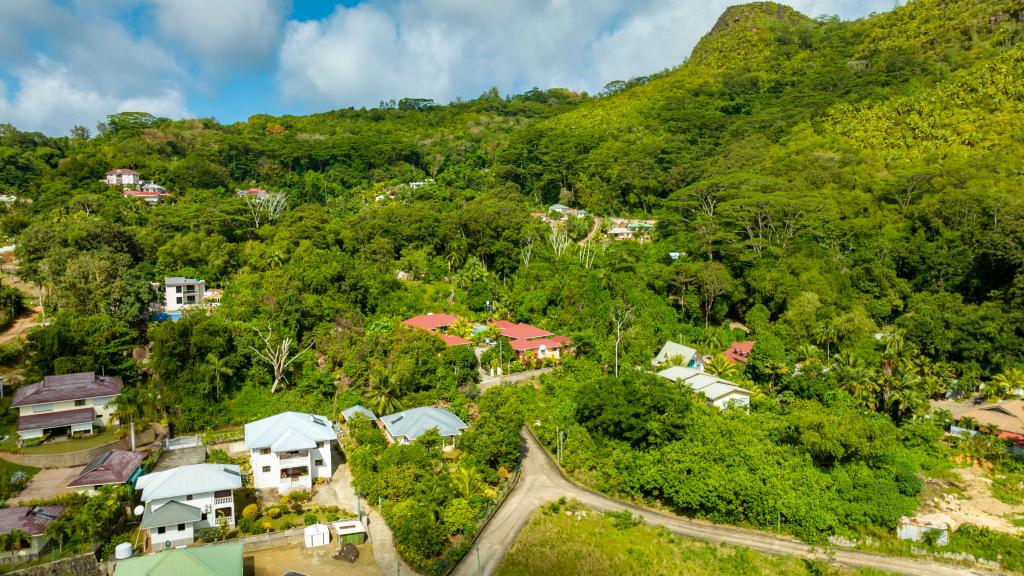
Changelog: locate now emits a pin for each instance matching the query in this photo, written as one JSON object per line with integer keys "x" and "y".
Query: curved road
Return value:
{"x": 542, "y": 481}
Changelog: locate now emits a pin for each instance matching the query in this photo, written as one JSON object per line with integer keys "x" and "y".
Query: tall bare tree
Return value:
{"x": 622, "y": 316}
{"x": 278, "y": 354}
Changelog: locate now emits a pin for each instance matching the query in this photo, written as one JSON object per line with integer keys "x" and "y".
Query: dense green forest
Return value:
{"x": 850, "y": 191}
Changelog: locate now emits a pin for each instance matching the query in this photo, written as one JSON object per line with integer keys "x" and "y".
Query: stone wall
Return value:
{"x": 84, "y": 565}
{"x": 80, "y": 457}
{"x": 272, "y": 539}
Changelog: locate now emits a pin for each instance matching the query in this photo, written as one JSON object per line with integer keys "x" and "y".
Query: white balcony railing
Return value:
{"x": 223, "y": 500}
{"x": 295, "y": 462}
{"x": 298, "y": 483}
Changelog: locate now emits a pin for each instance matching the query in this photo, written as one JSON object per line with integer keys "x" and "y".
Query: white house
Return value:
{"x": 289, "y": 450}
{"x": 183, "y": 292}
{"x": 66, "y": 404}
{"x": 689, "y": 357}
{"x": 182, "y": 500}
{"x": 405, "y": 427}
{"x": 124, "y": 177}
{"x": 719, "y": 393}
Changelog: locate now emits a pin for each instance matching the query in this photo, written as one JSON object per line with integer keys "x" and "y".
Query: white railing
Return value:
{"x": 182, "y": 442}
{"x": 295, "y": 462}
{"x": 223, "y": 500}
{"x": 300, "y": 483}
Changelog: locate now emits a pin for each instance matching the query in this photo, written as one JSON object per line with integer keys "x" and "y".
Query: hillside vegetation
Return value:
{"x": 850, "y": 192}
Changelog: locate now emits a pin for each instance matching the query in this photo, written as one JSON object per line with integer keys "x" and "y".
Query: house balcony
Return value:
{"x": 295, "y": 483}
{"x": 293, "y": 461}
{"x": 223, "y": 500}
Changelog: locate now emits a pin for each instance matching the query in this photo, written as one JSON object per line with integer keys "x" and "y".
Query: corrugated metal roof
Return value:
{"x": 348, "y": 413}
{"x": 413, "y": 423}
{"x": 289, "y": 431}
{"x": 50, "y": 420}
{"x": 672, "y": 349}
{"x": 171, "y": 513}
{"x": 33, "y": 520}
{"x": 218, "y": 560}
{"x": 191, "y": 479}
{"x": 113, "y": 467}
{"x": 67, "y": 387}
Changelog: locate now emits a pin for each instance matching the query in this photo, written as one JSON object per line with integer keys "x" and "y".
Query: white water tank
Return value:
{"x": 123, "y": 551}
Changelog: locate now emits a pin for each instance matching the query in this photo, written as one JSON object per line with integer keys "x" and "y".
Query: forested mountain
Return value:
{"x": 851, "y": 191}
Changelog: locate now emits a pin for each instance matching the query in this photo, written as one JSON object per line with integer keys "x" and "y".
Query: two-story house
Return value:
{"x": 124, "y": 177}
{"x": 183, "y": 292}
{"x": 290, "y": 449}
{"x": 65, "y": 404}
{"x": 182, "y": 500}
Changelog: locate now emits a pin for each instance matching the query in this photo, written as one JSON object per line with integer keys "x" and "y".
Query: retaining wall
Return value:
{"x": 84, "y": 565}
{"x": 78, "y": 458}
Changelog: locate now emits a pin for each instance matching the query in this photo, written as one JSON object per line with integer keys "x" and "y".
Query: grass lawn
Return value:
{"x": 571, "y": 539}
{"x": 62, "y": 446}
{"x": 12, "y": 468}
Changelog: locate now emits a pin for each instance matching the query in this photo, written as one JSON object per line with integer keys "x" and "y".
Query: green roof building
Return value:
{"x": 219, "y": 560}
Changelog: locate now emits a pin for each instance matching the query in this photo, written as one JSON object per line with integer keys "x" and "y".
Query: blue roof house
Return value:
{"x": 405, "y": 427}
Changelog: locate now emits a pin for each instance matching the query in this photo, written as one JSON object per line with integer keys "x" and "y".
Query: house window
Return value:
{"x": 79, "y": 402}
{"x": 318, "y": 463}
{"x": 222, "y": 494}
{"x": 178, "y": 300}
{"x": 189, "y": 497}
{"x": 161, "y": 530}
{"x": 40, "y": 408}
{"x": 320, "y": 444}
{"x": 204, "y": 517}
{"x": 177, "y": 290}
{"x": 266, "y": 468}
{"x": 181, "y": 527}
{"x": 264, "y": 450}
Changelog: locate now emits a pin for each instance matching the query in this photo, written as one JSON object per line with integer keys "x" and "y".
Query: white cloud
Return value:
{"x": 223, "y": 34}
{"x": 446, "y": 48}
{"x": 52, "y": 100}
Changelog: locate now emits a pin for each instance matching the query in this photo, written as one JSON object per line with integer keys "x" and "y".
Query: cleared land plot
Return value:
{"x": 313, "y": 561}
{"x": 571, "y": 539}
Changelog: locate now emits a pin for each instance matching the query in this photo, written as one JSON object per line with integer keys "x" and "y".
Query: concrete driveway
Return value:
{"x": 47, "y": 483}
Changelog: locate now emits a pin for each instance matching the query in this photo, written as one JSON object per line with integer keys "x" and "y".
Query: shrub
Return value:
{"x": 251, "y": 512}
{"x": 287, "y": 525}
{"x": 274, "y": 512}
{"x": 297, "y": 507}
{"x": 331, "y": 516}
{"x": 247, "y": 526}
{"x": 299, "y": 496}
{"x": 267, "y": 527}
{"x": 309, "y": 519}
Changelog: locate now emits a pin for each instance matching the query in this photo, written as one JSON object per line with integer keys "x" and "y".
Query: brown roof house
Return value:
{"x": 1006, "y": 417}
{"x": 66, "y": 404}
{"x": 114, "y": 467}
{"x": 32, "y": 520}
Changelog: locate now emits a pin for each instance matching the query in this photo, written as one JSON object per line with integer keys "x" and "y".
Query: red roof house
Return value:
{"x": 114, "y": 467}
{"x": 514, "y": 331}
{"x": 739, "y": 351}
{"x": 437, "y": 324}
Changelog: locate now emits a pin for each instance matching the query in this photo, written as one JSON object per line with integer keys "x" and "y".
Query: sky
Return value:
{"x": 71, "y": 62}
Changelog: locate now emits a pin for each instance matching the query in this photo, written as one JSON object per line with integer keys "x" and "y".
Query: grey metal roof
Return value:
{"x": 711, "y": 386}
{"x": 33, "y": 520}
{"x": 414, "y": 422}
{"x": 179, "y": 280}
{"x": 191, "y": 479}
{"x": 289, "y": 431}
{"x": 171, "y": 513}
{"x": 348, "y": 413}
{"x": 672, "y": 349}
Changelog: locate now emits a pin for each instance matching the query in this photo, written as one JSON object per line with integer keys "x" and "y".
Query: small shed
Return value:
{"x": 316, "y": 535}
{"x": 350, "y": 531}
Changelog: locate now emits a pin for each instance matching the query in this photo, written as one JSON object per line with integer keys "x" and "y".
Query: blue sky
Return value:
{"x": 70, "y": 62}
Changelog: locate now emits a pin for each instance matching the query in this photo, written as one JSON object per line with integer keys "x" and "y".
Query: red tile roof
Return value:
{"x": 431, "y": 322}
{"x": 50, "y": 420}
{"x": 33, "y": 520}
{"x": 549, "y": 343}
{"x": 453, "y": 340}
{"x": 67, "y": 387}
{"x": 114, "y": 467}
{"x": 739, "y": 351}
{"x": 514, "y": 331}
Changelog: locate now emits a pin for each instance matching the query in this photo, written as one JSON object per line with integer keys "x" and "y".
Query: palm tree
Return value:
{"x": 896, "y": 355}
{"x": 217, "y": 367}
{"x": 467, "y": 481}
{"x": 808, "y": 354}
{"x": 461, "y": 328}
{"x": 59, "y": 530}
{"x": 826, "y": 335}
{"x": 720, "y": 366}
{"x": 1004, "y": 384}
{"x": 16, "y": 539}
{"x": 384, "y": 392}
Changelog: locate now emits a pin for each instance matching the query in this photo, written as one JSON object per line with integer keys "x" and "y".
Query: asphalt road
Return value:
{"x": 542, "y": 481}
{"x": 511, "y": 378}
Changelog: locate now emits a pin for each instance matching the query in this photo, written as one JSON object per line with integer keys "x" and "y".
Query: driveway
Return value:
{"x": 511, "y": 378}
{"x": 47, "y": 483}
{"x": 340, "y": 492}
{"x": 542, "y": 481}
{"x": 181, "y": 457}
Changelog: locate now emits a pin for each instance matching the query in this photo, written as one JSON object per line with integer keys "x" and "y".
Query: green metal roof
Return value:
{"x": 173, "y": 512}
{"x": 218, "y": 560}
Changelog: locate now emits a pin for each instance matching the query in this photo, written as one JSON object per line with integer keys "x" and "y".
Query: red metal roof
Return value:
{"x": 431, "y": 322}
{"x": 33, "y": 520}
{"x": 514, "y": 331}
{"x": 114, "y": 467}
{"x": 739, "y": 351}
{"x": 50, "y": 420}
{"x": 67, "y": 387}
{"x": 549, "y": 343}
{"x": 452, "y": 340}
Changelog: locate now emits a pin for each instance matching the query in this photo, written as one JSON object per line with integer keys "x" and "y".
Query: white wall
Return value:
{"x": 732, "y": 399}
{"x": 172, "y": 294}
{"x": 103, "y": 406}
{"x": 272, "y": 477}
{"x": 201, "y": 501}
